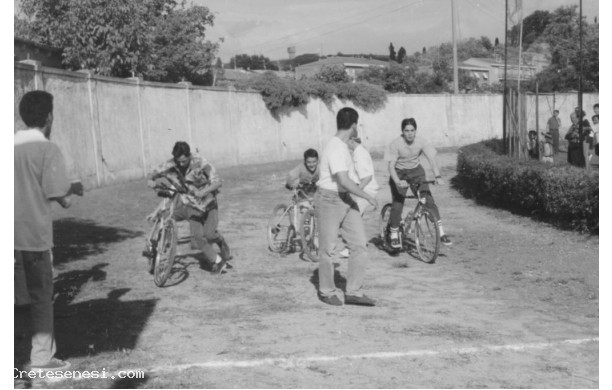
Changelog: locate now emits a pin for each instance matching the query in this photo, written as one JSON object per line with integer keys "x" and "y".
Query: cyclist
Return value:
{"x": 404, "y": 167}
{"x": 199, "y": 206}
{"x": 306, "y": 174}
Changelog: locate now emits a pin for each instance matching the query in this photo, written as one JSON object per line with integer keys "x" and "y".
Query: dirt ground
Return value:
{"x": 512, "y": 303}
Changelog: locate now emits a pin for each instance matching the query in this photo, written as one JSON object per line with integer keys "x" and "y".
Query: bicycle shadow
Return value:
{"x": 409, "y": 249}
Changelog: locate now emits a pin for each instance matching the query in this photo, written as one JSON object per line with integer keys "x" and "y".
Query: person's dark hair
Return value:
{"x": 310, "y": 153}
{"x": 596, "y": 105}
{"x": 533, "y": 133}
{"x": 35, "y": 107}
{"x": 409, "y": 121}
{"x": 181, "y": 148}
{"x": 346, "y": 117}
{"x": 595, "y": 116}
{"x": 555, "y": 111}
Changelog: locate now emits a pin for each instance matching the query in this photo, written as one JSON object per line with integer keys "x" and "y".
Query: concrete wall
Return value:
{"x": 114, "y": 130}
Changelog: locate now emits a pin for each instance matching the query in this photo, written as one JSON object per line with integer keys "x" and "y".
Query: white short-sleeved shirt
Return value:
{"x": 336, "y": 157}
{"x": 364, "y": 167}
{"x": 40, "y": 174}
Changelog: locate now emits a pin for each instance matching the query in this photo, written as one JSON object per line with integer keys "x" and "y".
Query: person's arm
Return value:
{"x": 430, "y": 154}
{"x": 344, "y": 180}
{"x": 293, "y": 178}
{"x": 365, "y": 181}
{"x": 214, "y": 181}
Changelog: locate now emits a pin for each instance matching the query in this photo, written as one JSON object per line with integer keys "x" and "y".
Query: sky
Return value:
{"x": 269, "y": 27}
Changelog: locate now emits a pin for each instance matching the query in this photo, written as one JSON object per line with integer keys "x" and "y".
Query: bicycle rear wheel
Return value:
{"x": 280, "y": 229}
{"x": 427, "y": 237}
{"x": 383, "y": 222}
{"x": 166, "y": 251}
{"x": 310, "y": 236}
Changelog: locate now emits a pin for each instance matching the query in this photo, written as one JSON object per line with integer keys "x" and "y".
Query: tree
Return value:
{"x": 253, "y": 62}
{"x": 486, "y": 43}
{"x": 121, "y": 38}
{"x": 562, "y": 36}
{"x": 424, "y": 50}
{"x": 496, "y": 41}
{"x": 533, "y": 27}
{"x": 332, "y": 74}
{"x": 391, "y": 52}
{"x": 401, "y": 54}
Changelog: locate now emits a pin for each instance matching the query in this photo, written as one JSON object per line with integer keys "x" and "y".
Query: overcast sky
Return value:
{"x": 268, "y": 27}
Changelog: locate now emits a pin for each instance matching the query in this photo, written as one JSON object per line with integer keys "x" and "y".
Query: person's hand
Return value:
{"x": 439, "y": 181}
{"x": 65, "y": 201}
{"x": 76, "y": 188}
{"x": 402, "y": 184}
{"x": 372, "y": 200}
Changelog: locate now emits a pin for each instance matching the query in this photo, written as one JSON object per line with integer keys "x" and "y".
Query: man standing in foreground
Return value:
{"x": 336, "y": 211}
{"x": 40, "y": 179}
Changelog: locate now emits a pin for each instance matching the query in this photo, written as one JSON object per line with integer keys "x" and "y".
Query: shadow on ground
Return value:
{"x": 90, "y": 327}
{"x": 77, "y": 239}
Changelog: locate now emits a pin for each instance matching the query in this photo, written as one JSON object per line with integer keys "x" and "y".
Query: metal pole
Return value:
{"x": 537, "y": 115}
{"x": 455, "y": 69}
{"x": 505, "y": 102}
{"x": 583, "y": 138}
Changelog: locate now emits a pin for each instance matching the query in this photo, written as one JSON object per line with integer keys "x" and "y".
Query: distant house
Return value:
{"x": 29, "y": 50}
{"x": 491, "y": 70}
{"x": 352, "y": 65}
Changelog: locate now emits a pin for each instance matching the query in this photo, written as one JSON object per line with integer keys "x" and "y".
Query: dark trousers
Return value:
{"x": 575, "y": 155}
{"x": 555, "y": 139}
{"x": 398, "y": 195}
{"x": 203, "y": 228}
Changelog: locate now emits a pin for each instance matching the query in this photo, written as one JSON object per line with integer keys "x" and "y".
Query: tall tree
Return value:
{"x": 486, "y": 43}
{"x": 401, "y": 54}
{"x": 391, "y": 52}
{"x": 533, "y": 27}
{"x": 121, "y": 38}
{"x": 496, "y": 41}
{"x": 253, "y": 62}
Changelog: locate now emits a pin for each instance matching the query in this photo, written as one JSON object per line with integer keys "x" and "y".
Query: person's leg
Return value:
{"x": 329, "y": 211}
{"x": 22, "y": 296}
{"x": 555, "y": 138}
{"x": 39, "y": 280}
{"x": 203, "y": 230}
{"x": 353, "y": 232}
{"x": 397, "y": 204}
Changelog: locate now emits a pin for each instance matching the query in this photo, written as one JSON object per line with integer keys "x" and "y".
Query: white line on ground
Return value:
{"x": 301, "y": 361}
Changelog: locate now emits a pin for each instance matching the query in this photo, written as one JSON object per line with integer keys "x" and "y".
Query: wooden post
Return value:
{"x": 537, "y": 115}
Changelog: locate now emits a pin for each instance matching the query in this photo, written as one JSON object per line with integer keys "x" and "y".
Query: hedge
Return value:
{"x": 563, "y": 195}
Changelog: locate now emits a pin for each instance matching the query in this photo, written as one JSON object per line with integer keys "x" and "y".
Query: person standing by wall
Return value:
{"x": 40, "y": 180}
{"x": 552, "y": 126}
{"x": 337, "y": 212}
{"x": 364, "y": 169}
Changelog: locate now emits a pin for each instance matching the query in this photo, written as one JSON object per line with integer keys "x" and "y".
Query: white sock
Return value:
{"x": 441, "y": 228}
{"x": 218, "y": 259}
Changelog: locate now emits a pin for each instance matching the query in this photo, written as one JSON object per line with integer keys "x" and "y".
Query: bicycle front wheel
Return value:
{"x": 310, "y": 236}
{"x": 427, "y": 237}
{"x": 280, "y": 229}
{"x": 166, "y": 251}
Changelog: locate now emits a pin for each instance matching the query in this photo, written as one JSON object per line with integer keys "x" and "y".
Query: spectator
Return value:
{"x": 596, "y": 133}
{"x": 40, "y": 179}
{"x": 552, "y": 126}
{"x": 532, "y": 147}
{"x": 596, "y": 109}
{"x": 548, "y": 149}
{"x": 575, "y": 155}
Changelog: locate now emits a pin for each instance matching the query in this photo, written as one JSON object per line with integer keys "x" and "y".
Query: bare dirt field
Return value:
{"x": 512, "y": 303}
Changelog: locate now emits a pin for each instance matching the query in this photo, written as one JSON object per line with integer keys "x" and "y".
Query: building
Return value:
{"x": 491, "y": 70}
{"x": 29, "y": 50}
{"x": 352, "y": 65}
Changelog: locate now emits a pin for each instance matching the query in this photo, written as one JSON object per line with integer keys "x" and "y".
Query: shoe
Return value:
{"x": 445, "y": 240}
{"x": 361, "y": 301}
{"x": 344, "y": 253}
{"x": 53, "y": 365}
{"x": 394, "y": 239}
{"x": 331, "y": 300}
{"x": 218, "y": 268}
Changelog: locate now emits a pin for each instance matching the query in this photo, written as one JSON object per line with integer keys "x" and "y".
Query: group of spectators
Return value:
{"x": 579, "y": 132}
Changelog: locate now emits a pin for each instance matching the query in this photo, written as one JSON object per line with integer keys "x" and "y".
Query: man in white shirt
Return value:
{"x": 364, "y": 169}
{"x": 337, "y": 212}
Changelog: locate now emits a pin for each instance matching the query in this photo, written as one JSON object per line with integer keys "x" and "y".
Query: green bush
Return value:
{"x": 563, "y": 195}
{"x": 288, "y": 93}
{"x": 365, "y": 96}
{"x": 276, "y": 92}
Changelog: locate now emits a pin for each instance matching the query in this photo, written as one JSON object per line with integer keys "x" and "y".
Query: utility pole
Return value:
{"x": 583, "y": 136}
{"x": 455, "y": 69}
{"x": 505, "y": 102}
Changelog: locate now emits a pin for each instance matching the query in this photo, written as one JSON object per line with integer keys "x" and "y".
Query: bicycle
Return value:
{"x": 162, "y": 241}
{"x": 420, "y": 224}
{"x": 283, "y": 225}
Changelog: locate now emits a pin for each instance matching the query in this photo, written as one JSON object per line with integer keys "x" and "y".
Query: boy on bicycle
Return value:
{"x": 405, "y": 168}
{"x": 199, "y": 205}
{"x": 305, "y": 175}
